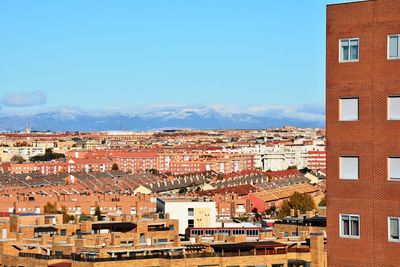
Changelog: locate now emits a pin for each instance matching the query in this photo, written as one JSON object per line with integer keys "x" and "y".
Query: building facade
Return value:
{"x": 191, "y": 212}
{"x": 363, "y": 129}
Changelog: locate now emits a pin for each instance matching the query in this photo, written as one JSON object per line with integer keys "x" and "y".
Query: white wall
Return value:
{"x": 179, "y": 210}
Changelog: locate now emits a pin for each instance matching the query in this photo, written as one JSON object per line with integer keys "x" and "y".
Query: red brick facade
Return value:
{"x": 372, "y": 137}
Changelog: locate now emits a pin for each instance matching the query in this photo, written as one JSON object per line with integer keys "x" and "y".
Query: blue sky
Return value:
{"x": 111, "y": 54}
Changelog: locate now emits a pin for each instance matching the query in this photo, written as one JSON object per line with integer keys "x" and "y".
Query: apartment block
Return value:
{"x": 191, "y": 212}
{"x": 363, "y": 129}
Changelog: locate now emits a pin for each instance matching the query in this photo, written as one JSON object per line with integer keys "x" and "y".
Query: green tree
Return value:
{"x": 83, "y": 217}
{"x": 50, "y": 208}
{"x": 49, "y": 155}
{"x": 66, "y": 216}
{"x": 97, "y": 213}
{"x": 183, "y": 190}
{"x": 153, "y": 171}
{"x": 115, "y": 167}
{"x": 271, "y": 211}
{"x": 305, "y": 170}
{"x": 17, "y": 159}
{"x": 297, "y": 201}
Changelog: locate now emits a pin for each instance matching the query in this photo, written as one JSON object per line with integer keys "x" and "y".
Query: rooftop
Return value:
{"x": 185, "y": 199}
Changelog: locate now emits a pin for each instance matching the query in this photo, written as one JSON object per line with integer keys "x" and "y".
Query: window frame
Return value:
{"x": 340, "y": 167}
{"x": 388, "y": 169}
{"x": 341, "y": 227}
{"x": 340, "y": 109}
{"x": 190, "y": 212}
{"x": 341, "y": 60}
{"x": 398, "y": 47}
{"x": 388, "y": 227}
{"x": 388, "y": 106}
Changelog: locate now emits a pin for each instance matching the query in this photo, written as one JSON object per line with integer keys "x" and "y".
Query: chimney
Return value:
{"x": 317, "y": 250}
{"x": 115, "y": 239}
{"x": 291, "y": 212}
{"x": 177, "y": 241}
{"x": 20, "y": 237}
{"x": 15, "y": 222}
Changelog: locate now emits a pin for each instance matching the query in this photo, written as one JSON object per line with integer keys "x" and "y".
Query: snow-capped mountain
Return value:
{"x": 72, "y": 119}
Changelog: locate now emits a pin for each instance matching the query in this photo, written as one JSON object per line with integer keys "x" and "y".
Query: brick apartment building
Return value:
{"x": 363, "y": 130}
{"x": 316, "y": 160}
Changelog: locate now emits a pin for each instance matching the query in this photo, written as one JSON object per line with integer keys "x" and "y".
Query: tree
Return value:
{"x": 183, "y": 190}
{"x": 322, "y": 203}
{"x": 297, "y": 201}
{"x": 66, "y": 216}
{"x": 17, "y": 159}
{"x": 50, "y": 208}
{"x": 83, "y": 217}
{"x": 49, "y": 155}
{"x": 305, "y": 170}
{"x": 153, "y": 171}
{"x": 271, "y": 211}
{"x": 115, "y": 167}
{"x": 97, "y": 212}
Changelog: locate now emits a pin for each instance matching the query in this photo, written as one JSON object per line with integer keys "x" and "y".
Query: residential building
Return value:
{"x": 316, "y": 160}
{"x": 43, "y": 240}
{"x": 363, "y": 149}
{"x": 191, "y": 212}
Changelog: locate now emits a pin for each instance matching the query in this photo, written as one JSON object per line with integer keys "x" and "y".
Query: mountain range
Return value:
{"x": 70, "y": 119}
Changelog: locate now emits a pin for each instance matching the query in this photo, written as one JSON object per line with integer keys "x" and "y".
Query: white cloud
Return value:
{"x": 309, "y": 112}
{"x": 24, "y": 99}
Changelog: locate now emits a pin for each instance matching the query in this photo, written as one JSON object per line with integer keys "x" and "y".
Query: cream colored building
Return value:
{"x": 191, "y": 212}
{"x": 6, "y": 153}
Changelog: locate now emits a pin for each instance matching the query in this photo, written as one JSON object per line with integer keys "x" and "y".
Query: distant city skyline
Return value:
{"x": 230, "y": 55}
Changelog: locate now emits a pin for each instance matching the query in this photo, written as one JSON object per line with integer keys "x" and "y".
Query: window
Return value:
{"x": 394, "y": 46}
{"x": 394, "y": 168}
{"x": 348, "y": 50}
{"x": 349, "y": 168}
{"x": 348, "y": 109}
{"x": 394, "y": 108}
{"x": 393, "y": 229}
{"x": 349, "y": 225}
{"x": 190, "y": 211}
{"x": 191, "y": 223}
